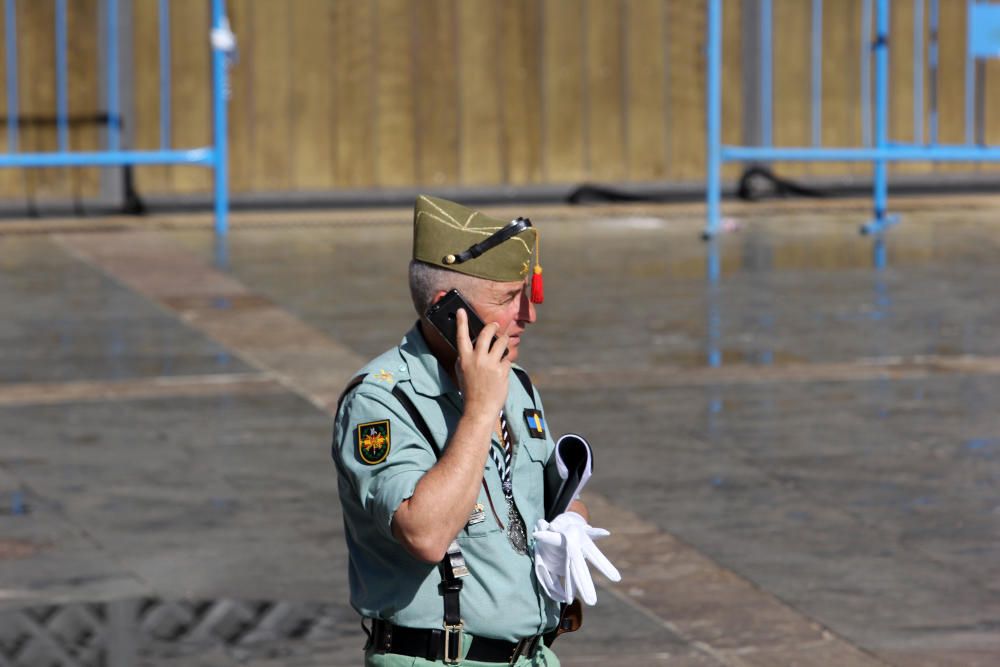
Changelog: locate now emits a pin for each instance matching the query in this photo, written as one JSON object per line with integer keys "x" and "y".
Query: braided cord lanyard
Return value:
{"x": 516, "y": 532}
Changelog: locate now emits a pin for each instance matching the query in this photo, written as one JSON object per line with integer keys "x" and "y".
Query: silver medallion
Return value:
{"x": 516, "y": 533}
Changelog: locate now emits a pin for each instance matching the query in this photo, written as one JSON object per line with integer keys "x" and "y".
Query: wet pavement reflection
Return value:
{"x": 778, "y": 290}
{"x": 65, "y": 321}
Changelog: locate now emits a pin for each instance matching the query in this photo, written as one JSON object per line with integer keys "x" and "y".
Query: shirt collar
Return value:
{"x": 427, "y": 375}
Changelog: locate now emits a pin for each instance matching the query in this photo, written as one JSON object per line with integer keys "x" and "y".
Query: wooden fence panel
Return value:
{"x": 520, "y": 82}
{"x": 437, "y": 99}
{"x": 479, "y": 97}
{"x": 191, "y": 99}
{"x": 314, "y": 94}
{"x": 563, "y": 95}
{"x": 605, "y": 104}
{"x": 333, "y": 95}
{"x": 395, "y": 144}
{"x": 353, "y": 69}
{"x": 646, "y": 90}
{"x": 841, "y": 91}
{"x": 686, "y": 61}
{"x": 37, "y": 94}
{"x": 82, "y": 91}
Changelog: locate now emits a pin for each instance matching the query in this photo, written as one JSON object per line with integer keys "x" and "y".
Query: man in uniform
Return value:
{"x": 441, "y": 454}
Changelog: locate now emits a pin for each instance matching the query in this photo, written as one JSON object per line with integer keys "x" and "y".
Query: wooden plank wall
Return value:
{"x": 338, "y": 95}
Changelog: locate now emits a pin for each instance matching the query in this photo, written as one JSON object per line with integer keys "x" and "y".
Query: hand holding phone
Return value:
{"x": 442, "y": 316}
{"x": 481, "y": 370}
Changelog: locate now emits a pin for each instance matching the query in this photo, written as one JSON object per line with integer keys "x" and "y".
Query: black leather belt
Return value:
{"x": 430, "y": 644}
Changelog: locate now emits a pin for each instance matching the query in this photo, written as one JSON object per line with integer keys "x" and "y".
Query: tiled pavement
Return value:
{"x": 798, "y": 463}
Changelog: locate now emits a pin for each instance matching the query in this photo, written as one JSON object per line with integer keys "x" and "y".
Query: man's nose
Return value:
{"x": 527, "y": 311}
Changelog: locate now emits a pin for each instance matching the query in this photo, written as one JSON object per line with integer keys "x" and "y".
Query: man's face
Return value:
{"x": 507, "y": 304}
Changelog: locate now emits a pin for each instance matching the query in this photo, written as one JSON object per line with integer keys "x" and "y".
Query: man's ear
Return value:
{"x": 437, "y": 296}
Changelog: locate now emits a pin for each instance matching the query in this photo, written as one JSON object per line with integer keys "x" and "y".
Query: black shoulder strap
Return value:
{"x": 418, "y": 419}
{"x": 526, "y": 382}
{"x": 452, "y": 567}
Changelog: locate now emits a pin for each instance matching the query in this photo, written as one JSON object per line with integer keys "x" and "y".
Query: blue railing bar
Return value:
{"x": 866, "y": 73}
{"x": 197, "y": 156}
{"x": 114, "y": 118}
{"x": 10, "y": 38}
{"x": 933, "y": 21}
{"x": 165, "y": 83}
{"x": 62, "y": 105}
{"x": 766, "y": 74}
{"x": 970, "y": 81}
{"x": 220, "y": 121}
{"x": 939, "y": 153}
{"x": 817, "y": 72}
{"x": 881, "y": 193}
{"x": 918, "y": 71}
{"x": 713, "y": 183}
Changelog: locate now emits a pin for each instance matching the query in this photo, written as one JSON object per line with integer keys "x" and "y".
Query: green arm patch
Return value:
{"x": 374, "y": 440}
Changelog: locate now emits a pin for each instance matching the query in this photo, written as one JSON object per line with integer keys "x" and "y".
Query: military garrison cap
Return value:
{"x": 461, "y": 239}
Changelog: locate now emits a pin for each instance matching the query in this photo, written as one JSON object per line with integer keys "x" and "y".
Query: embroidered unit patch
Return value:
{"x": 374, "y": 439}
{"x": 535, "y": 422}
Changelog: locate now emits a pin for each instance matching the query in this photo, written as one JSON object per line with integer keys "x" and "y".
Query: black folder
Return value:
{"x": 576, "y": 454}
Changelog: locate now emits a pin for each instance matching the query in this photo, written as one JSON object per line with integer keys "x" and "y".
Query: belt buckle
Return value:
{"x": 453, "y": 643}
{"x": 526, "y": 647}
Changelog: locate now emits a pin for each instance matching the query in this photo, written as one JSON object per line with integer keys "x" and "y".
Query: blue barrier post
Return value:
{"x": 876, "y": 147}
{"x": 112, "y": 154}
{"x": 970, "y": 77}
{"x": 881, "y": 193}
{"x": 933, "y": 20}
{"x": 918, "y": 71}
{"x": 114, "y": 107}
{"x": 866, "y": 73}
{"x": 713, "y": 184}
{"x": 766, "y": 71}
{"x": 164, "y": 39}
{"x": 62, "y": 104}
{"x": 220, "y": 86}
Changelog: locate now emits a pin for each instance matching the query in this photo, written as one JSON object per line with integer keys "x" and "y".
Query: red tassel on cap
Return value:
{"x": 537, "y": 284}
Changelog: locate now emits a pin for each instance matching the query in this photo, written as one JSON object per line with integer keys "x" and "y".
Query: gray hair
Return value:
{"x": 426, "y": 280}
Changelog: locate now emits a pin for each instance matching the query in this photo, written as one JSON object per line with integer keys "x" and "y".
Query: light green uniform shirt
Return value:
{"x": 501, "y": 597}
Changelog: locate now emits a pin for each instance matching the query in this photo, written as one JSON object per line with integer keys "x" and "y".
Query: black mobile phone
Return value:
{"x": 442, "y": 316}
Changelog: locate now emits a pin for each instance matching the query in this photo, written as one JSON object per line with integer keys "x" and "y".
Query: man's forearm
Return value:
{"x": 428, "y": 521}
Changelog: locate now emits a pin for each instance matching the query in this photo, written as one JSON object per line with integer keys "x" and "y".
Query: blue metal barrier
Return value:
{"x": 214, "y": 156}
{"x": 983, "y": 42}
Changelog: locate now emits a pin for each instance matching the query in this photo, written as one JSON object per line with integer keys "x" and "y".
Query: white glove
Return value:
{"x": 562, "y": 549}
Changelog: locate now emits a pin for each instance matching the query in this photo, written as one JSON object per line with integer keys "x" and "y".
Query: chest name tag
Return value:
{"x": 535, "y": 422}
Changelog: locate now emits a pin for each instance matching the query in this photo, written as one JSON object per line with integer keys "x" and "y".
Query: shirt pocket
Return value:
{"x": 489, "y": 523}
{"x": 529, "y": 480}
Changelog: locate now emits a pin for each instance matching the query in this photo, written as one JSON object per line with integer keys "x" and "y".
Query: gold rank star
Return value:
{"x": 384, "y": 376}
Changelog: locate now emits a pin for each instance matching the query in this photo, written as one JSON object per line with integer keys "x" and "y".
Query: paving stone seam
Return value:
{"x": 174, "y": 386}
{"x": 113, "y": 257}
